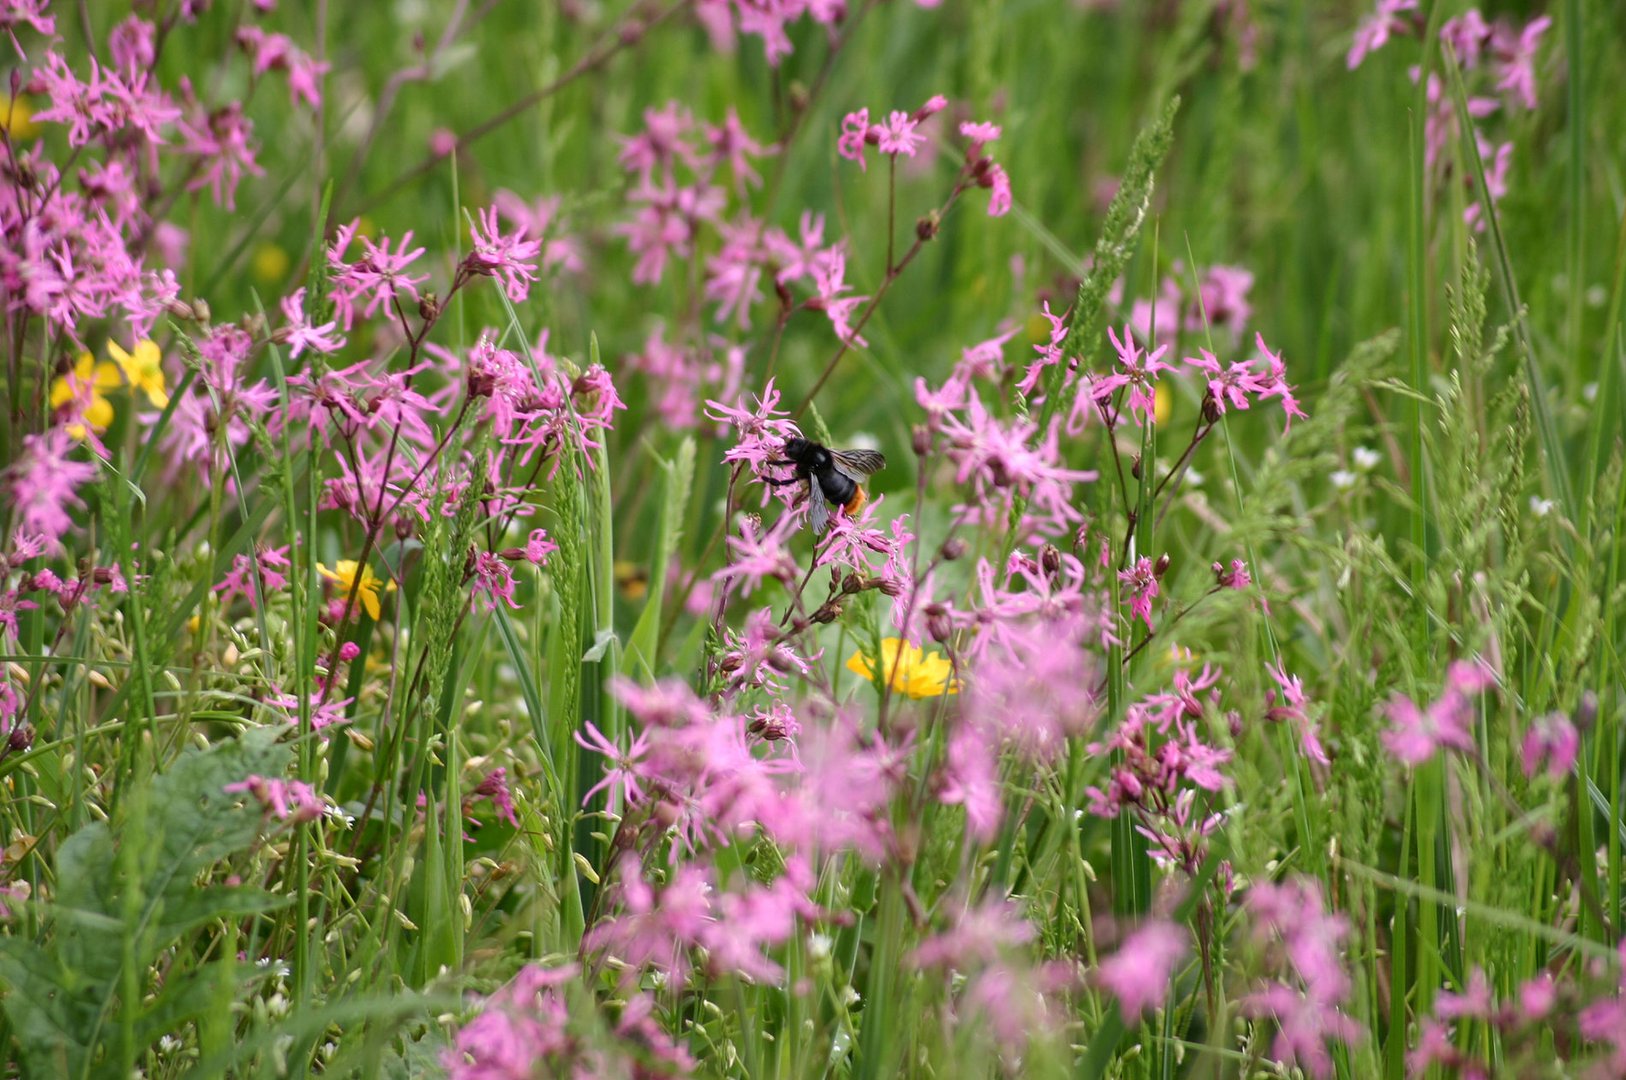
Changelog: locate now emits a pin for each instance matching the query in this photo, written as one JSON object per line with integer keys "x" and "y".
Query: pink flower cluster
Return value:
{"x": 1499, "y": 57}
{"x": 1307, "y": 995}
{"x": 899, "y": 135}
{"x": 769, "y": 20}
{"x": 530, "y": 1027}
{"x": 1001, "y": 461}
{"x": 1006, "y": 993}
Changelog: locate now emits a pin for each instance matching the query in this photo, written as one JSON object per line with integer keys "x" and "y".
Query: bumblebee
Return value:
{"x": 833, "y": 476}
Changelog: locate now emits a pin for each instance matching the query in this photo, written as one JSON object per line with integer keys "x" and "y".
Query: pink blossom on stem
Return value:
{"x": 1415, "y": 734}
{"x": 299, "y": 334}
{"x": 1516, "y": 59}
{"x": 1139, "y": 375}
{"x": 999, "y": 191}
{"x": 509, "y": 257}
{"x": 1141, "y": 582}
{"x": 1552, "y": 744}
{"x": 1376, "y": 28}
{"x": 284, "y": 799}
{"x": 43, "y": 484}
{"x": 855, "y": 129}
{"x": 971, "y": 779}
{"x": 492, "y": 582}
{"x": 899, "y": 134}
{"x": 1276, "y": 383}
{"x": 1138, "y": 974}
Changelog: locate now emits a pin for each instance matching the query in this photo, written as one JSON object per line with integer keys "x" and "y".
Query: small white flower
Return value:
{"x": 1366, "y": 458}
{"x": 1596, "y": 296}
{"x": 1343, "y": 479}
{"x": 1540, "y": 507}
{"x": 1589, "y": 392}
{"x": 819, "y": 945}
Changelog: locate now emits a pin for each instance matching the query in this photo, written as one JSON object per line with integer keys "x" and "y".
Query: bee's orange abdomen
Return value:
{"x": 856, "y": 503}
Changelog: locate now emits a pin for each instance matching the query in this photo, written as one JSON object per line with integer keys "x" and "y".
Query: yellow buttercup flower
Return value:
{"x": 99, "y": 377}
{"x": 17, "y": 118}
{"x": 1162, "y": 403}
{"x": 269, "y": 264}
{"x": 143, "y": 369}
{"x": 909, "y": 669}
{"x": 343, "y": 575}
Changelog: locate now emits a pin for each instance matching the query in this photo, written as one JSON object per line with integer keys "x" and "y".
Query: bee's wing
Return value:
{"x": 858, "y": 464}
{"x": 818, "y": 514}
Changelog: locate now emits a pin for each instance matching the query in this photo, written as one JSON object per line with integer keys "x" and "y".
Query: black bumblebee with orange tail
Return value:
{"x": 833, "y": 476}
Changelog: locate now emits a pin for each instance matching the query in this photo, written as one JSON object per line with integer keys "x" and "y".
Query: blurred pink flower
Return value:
{"x": 1415, "y": 735}
{"x": 1138, "y": 973}
{"x": 1551, "y": 743}
{"x": 283, "y": 799}
{"x": 1374, "y": 31}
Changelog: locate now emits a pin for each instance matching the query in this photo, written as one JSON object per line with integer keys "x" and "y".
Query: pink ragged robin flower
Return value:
{"x": 1140, "y": 580}
{"x": 283, "y": 799}
{"x": 1376, "y": 29}
{"x": 1551, "y": 744}
{"x": 510, "y": 257}
{"x": 1516, "y": 58}
{"x": 1139, "y": 371}
{"x": 1138, "y": 974}
{"x": 299, "y": 334}
{"x": 1416, "y": 734}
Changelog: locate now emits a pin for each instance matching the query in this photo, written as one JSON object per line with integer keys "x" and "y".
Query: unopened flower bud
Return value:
{"x": 926, "y": 227}
{"x": 349, "y": 651}
{"x": 934, "y": 105}
{"x": 828, "y": 612}
{"x": 890, "y": 587}
{"x": 1586, "y": 711}
{"x": 181, "y": 310}
{"x": 953, "y": 548}
{"x": 254, "y": 324}
{"x": 21, "y": 737}
{"x": 1161, "y": 567}
{"x": 938, "y": 623}
{"x": 632, "y": 32}
{"x": 403, "y": 527}
{"x": 1050, "y": 559}
{"x": 1211, "y": 408}
{"x": 429, "y": 307}
{"x": 921, "y": 440}
{"x": 1134, "y": 468}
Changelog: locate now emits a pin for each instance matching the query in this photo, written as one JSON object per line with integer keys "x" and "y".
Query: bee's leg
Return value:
{"x": 771, "y": 482}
